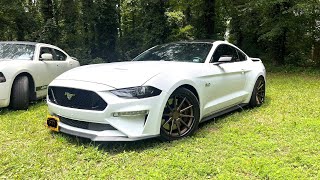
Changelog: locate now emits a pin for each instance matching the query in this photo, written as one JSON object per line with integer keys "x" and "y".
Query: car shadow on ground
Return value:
{"x": 32, "y": 105}
{"x": 4, "y": 111}
{"x": 141, "y": 145}
{"x": 112, "y": 147}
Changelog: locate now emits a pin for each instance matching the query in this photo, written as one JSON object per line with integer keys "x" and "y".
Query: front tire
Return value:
{"x": 258, "y": 93}
{"x": 180, "y": 116}
{"x": 20, "y": 93}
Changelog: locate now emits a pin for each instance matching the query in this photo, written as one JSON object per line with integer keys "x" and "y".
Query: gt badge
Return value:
{"x": 69, "y": 95}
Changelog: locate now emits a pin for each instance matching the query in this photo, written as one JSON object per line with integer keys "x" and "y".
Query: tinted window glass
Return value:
{"x": 235, "y": 56}
{"x": 44, "y": 50}
{"x": 186, "y": 52}
{"x": 224, "y": 51}
{"x": 16, "y": 51}
{"x": 242, "y": 57}
{"x": 60, "y": 56}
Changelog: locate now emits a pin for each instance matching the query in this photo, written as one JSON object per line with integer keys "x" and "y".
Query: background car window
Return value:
{"x": 44, "y": 50}
{"x": 225, "y": 50}
{"x": 59, "y": 56}
{"x": 16, "y": 51}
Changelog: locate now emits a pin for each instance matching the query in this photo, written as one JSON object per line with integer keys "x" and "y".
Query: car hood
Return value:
{"x": 121, "y": 74}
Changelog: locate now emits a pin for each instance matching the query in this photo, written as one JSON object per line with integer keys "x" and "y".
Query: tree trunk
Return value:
{"x": 315, "y": 36}
{"x": 236, "y": 30}
{"x": 47, "y": 9}
{"x": 281, "y": 49}
{"x": 88, "y": 22}
{"x": 209, "y": 18}
{"x": 119, "y": 18}
{"x": 187, "y": 14}
{"x": 316, "y": 53}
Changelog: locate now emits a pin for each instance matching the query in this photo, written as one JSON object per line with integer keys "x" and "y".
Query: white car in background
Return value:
{"x": 27, "y": 68}
{"x": 165, "y": 91}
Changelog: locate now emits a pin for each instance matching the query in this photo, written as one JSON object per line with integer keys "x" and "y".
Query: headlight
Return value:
{"x": 137, "y": 92}
{"x": 2, "y": 78}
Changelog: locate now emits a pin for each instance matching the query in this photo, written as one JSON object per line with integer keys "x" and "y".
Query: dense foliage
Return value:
{"x": 279, "y": 31}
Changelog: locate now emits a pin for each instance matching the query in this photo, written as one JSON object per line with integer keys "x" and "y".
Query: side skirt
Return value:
{"x": 233, "y": 108}
{"x": 39, "y": 88}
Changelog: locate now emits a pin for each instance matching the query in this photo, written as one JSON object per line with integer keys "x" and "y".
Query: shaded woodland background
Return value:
{"x": 281, "y": 32}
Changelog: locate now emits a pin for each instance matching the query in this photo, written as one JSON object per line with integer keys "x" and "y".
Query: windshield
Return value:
{"x": 16, "y": 51}
{"x": 185, "y": 52}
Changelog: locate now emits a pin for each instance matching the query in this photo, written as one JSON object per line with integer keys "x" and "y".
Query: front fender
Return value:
{"x": 169, "y": 84}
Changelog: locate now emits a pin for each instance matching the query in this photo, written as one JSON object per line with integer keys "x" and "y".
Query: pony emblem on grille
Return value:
{"x": 69, "y": 95}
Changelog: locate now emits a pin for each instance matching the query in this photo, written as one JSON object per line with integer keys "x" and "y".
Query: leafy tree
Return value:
{"x": 144, "y": 25}
{"x": 154, "y": 22}
{"x": 49, "y": 31}
{"x": 18, "y": 20}
{"x": 106, "y": 31}
{"x": 131, "y": 39}
{"x": 69, "y": 24}
{"x": 279, "y": 31}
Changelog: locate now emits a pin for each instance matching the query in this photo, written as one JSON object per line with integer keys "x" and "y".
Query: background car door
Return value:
{"x": 55, "y": 66}
{"x": 61, "y": 59}
{"x": 227, "y": 81}
{"x": 47, "y": 70}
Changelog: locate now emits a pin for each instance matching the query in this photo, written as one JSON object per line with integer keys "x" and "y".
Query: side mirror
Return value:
{"x": 225, "y": 59}
{"x": 46, "y": 56}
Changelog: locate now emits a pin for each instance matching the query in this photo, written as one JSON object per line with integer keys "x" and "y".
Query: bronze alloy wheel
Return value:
{"x": 258, "y": 93}
{"x": 181, "y": 115}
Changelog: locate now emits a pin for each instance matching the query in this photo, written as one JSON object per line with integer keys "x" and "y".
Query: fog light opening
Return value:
{"x": 145, "y": 119}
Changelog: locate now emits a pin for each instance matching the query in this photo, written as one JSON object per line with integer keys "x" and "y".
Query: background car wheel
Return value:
{"x": 20, "y": 93}
{"x": 258, "y": 93}
{"x": 180, "y": 116}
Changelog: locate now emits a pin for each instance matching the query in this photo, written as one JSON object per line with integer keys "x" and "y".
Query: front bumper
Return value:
{"x": 108, "y": 135}
{"x": 5, "y": 91}
{"x": 124, "y": 128}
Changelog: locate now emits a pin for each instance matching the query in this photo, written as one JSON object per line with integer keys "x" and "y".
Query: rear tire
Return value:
{"x": 20, "y": 93}
{"x": 258, "y": 93}
{"x": 180, "y": 116}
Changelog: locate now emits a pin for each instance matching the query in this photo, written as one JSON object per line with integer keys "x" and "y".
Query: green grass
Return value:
{"x": 279, "y": 140}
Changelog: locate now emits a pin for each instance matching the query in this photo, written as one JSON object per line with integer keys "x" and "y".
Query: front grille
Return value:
{"x": 86, "y": 125}
{"x": 76, "y": 98}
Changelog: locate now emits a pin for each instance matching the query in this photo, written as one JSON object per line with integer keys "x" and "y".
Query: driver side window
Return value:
{"x": 224, "y": 51}
{"x": 56, "y": 54}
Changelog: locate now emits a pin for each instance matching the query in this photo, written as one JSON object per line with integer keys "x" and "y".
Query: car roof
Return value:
{"x": 23, "y": 42}
{"x": 210, "y": 41}
{"x": 19, "y": 42}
